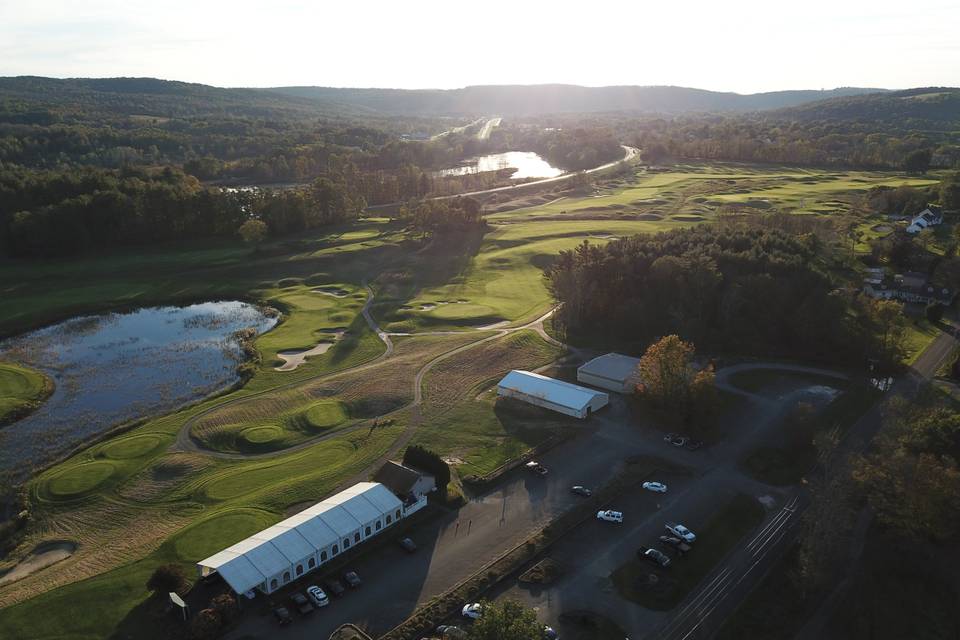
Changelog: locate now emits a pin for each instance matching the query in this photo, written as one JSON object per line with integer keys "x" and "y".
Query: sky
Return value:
{"x": 740, "y": 45}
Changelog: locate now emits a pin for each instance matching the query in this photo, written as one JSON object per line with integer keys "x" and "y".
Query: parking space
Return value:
{"x": 453, "y": 546}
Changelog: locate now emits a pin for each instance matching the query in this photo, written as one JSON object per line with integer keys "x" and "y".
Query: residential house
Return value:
{"x": 910, "y": 287}
{"x": 929, "y": 217}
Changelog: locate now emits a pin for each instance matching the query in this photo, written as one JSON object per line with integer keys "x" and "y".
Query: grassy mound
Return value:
{"x": 324, "y": 415}
{"x": 218, "y": 532}
{"x": 132, "y": 447}
{"x": 79, "y": 480}
{"x": 262, "y": 434}
{"x": 21, "y": 391}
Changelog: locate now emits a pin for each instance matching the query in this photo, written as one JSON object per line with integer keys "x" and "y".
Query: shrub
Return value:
{"x": 934, "y": 312}
{"x": 205, "y": 625}
{"x": 167, "y": 578}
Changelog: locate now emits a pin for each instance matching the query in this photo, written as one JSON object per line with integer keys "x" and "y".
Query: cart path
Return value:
{"x": 186, "y": 443}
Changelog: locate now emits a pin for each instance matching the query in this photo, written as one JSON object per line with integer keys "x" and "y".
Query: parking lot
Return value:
{"x": 453, "y": 546}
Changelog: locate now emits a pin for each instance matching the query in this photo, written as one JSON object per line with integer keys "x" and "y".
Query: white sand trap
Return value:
{"x": 40, "y": 558}
{"x": 335, "y": 292}
{"x": 296, "y": 357}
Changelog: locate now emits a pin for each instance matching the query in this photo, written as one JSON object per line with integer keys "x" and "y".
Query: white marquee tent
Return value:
{"x": 275, "y": 556}
{"x": 550, "y": 393}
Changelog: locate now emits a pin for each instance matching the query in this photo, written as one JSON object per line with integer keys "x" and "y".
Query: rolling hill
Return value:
{"x": 558, "y": 98}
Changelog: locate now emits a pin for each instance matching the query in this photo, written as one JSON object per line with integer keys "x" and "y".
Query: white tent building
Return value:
{"x": 275, "y": 556}
{"x": 612, "y": 371}
{"x": 550, "y": 393}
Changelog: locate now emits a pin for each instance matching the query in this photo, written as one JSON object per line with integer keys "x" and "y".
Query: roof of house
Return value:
{"x": 276, "y": 549}
{"x": 612, "y": 366}
{"x": 550, "y": 389}
{"x": 396, "y": 477}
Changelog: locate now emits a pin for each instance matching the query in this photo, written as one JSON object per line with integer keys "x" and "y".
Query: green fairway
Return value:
{"x": 21, "y": 390}
{"x": 213, "y": 534}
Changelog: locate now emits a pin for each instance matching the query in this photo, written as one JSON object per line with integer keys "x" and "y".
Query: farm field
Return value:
{"x": 180, "y": 486}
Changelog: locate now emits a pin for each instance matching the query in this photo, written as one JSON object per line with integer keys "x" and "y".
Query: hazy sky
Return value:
{"x": 738, "y": 45}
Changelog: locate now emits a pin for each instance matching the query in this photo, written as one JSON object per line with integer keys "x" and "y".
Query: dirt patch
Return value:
{"x": 42, "y": 556}
{"x": 296, "y": 357}
{"x": 882, "y": 228}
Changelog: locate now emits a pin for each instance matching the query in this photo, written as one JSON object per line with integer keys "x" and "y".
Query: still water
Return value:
{"x": 116, "y": 367}
{"x": 527, "y": 164}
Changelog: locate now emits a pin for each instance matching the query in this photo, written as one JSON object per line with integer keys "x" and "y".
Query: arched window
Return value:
{"x": 389, "y": 519}
{"x": 311, "y": 563}
{"x": 346, "y": 543}
{"x": 398, "y": 514}
{"x": 299, "y": 569}
{"x": 335, "y": 550}
{"x": 356, "y": 536}
{"x": 273, "y": 584}
{"x": 323, "y": 556}
{"x": 286, "y": 577}
{"x": 367, "y": 531}
{"x": 378, "y": 525}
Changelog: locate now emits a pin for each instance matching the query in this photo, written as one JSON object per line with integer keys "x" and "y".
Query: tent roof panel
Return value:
{"x": 555, "y": 391}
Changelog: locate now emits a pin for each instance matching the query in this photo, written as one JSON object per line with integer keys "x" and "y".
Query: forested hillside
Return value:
{"x": 558, "y": 98}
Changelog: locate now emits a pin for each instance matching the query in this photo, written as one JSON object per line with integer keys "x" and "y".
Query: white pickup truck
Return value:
{"x": 680, "y": 531}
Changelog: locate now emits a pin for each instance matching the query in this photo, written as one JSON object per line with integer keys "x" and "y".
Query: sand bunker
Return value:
{"x": 41, "y": 557}
{"x": 336, "y": 292}
{"x": 294, "y": 358}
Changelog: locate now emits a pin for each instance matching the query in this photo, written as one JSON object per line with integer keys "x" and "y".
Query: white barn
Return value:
{"x": 612, "y": 371}
{"x": 557, "y": 395}
{"x": 270, "y": 559}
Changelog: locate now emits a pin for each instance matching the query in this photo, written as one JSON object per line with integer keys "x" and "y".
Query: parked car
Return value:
{"x": 669, "y": 437}
{"x": 451, "y": 632}
{"x": 302, "y": 604}
{"x": 610, "y": 515}
{"x": 472, "y": 611}
{"x": 693, "y": 445}
{"x": 334, "y": 588}
{"x": 654, "y": 555}
{"x": 536, "y": 468}
{"x": 680, "y": 531}
{"x": 679, "y": 441}
{"x": 407, "y": 545}
{"x": 581, "y": 491}
{"x": 549, "y": 633}
{"x": 656, "y": 487}
{"x": 282, "y": 615}
{"x": 676, "y": 543}
{"x": 317, "y": 595}
{"x": 352, "y": 579}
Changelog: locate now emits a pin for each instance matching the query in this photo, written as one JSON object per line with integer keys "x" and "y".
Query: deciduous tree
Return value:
{"x": 506, "y": 620}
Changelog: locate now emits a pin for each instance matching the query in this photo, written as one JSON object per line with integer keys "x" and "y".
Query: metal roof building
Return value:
{"x": 279, "y": 554}
{"x": 550, "y": 393}
{"x": 612, "y": 371}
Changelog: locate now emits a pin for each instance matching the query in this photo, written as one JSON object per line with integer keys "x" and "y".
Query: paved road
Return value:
{"x": 715, "y": 479}
{"x": 455, "y": 545}
{"x": 488, "y": 128}
{"x": 705, "y": 611}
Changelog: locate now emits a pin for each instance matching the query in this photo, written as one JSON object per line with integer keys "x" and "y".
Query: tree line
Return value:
{"x": 70, "y": 211}
{"x": 738, "y": 289}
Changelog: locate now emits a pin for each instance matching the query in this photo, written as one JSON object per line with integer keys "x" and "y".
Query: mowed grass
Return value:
{"x": 22, "y": 389}
{"x": 920, "y": 333}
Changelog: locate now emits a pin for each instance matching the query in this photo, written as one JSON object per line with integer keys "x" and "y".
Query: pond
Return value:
{"x": 116, "y": 367}
{"x": 527, "y": 164}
